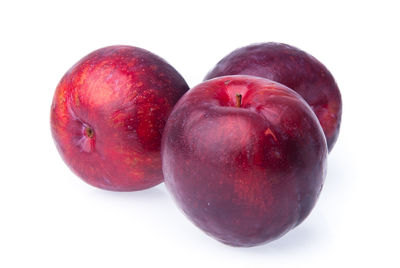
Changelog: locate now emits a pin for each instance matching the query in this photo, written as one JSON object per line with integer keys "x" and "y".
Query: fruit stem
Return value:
{"x": 238, "y": 100}
{"x": 89, "y": 132}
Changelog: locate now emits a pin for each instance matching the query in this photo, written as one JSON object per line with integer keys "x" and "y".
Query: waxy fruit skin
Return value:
{"x": 295, "y": 69}
{"x": 247, "y": 170}
{"x": 108, "y": 115}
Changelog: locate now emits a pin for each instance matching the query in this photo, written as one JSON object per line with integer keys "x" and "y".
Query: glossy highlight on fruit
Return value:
{"x": 295, "y": 69}
{"x": 244, "y": 158}
{"x": 108, "y": 115}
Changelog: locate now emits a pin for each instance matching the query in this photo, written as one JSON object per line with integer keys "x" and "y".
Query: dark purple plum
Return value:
{"x": 295, "y": 69}
{"x": 244, "y": 157}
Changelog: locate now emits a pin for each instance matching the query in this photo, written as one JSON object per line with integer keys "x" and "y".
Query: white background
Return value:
{"x": 50, "y": 218}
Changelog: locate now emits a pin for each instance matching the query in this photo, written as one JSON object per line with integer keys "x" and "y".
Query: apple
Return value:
{"x": 108, "y": 115}
{"x": 244, "y": 158}
{"x": 297, "y": 70}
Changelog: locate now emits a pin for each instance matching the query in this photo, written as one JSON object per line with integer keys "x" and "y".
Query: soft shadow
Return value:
{"x": 341, "y": 173}
{"x": 157, "y": 193}
{"x": 303, "y": 238}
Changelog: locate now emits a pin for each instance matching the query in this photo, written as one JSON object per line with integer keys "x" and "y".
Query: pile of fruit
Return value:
{"x": 243, "y": 153}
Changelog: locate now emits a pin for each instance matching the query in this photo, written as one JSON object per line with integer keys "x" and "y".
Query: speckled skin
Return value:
{"x": 297, "y": 70}
{"x": 108, "y": 115}
{"x": 244, "y": 175}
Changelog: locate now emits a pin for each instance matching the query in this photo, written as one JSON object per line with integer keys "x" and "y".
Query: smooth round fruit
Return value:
{"x": 108, "y": 115}
{"x": 295, "y": 69}
{"x": 244, "y": 157}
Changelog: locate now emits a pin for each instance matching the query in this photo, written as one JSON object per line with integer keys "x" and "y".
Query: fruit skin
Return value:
{"x": 244, "y": 175}
{"x": 295, "y": 69}
{"x": 108, "y": 114}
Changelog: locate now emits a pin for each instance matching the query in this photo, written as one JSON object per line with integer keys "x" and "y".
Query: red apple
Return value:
{"x": 297, "y": 70}
{"x": 108, "y": 115}
{"x": 244, "y": 157}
